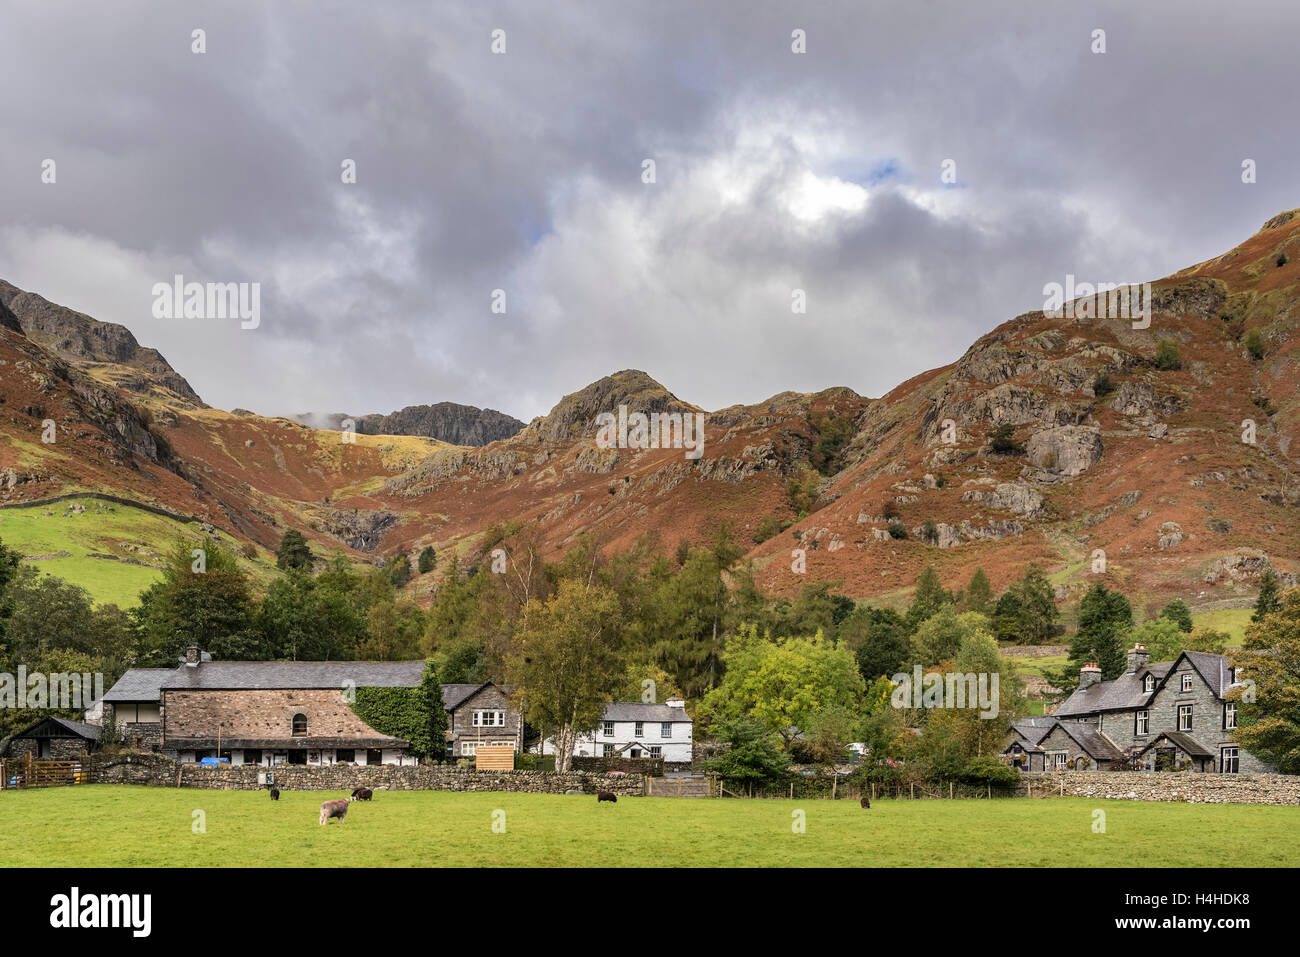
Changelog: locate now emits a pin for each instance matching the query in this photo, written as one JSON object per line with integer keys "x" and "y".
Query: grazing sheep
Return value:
{"x": 606, "y": 796}
{"x": 275, "y": 794}
{"x": 338, "y": 809}
{"x": 363, "y": 794}
{"x": 866, "y": 802}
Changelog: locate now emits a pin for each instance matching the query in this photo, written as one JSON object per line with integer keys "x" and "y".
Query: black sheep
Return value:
{"x": 866, "y": 802}
{"x": 606, "y": 796}
{"x": 275, "y": 794}
{"x": 363, "y": 794}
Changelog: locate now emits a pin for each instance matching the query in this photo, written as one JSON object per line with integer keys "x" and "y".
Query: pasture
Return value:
{"x": 120, "y": 826}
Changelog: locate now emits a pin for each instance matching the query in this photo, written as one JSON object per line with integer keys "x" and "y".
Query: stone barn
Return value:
{"x": 54, "y": 739}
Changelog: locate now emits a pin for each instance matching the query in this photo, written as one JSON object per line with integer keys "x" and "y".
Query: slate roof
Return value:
{"x": 1183, "y": 741}
{"x": 1034, "y": 729}
{"x": 636, "y": 711}
{"x": 1120, "y": 694}
{"x": 139, "y": 684}
{"x": 453, "y": 696}
{"x": 276, "y": 675}
{"x": 87, "y": 731}
{"x": 1215, "y": 669}
{"x": 1094, "y": 743}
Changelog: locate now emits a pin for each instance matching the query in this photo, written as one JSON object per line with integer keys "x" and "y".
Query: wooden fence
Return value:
{"x": 30, "y": 773}
{"x": 494, "y": 757}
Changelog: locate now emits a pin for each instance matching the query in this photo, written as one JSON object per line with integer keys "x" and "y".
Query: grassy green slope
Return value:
{"x": 106, "y": 825}
{"x": 41, "y": 533}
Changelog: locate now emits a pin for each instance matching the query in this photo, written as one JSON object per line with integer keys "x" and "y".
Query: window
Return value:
{"x": 640, "y": 729}
{"x": 297, "y": 756}
{"x": 656, "y": 751}
{"x": 609, "y": 729}
{"x": 1187, "y": 682}
{"x": 608, "y": 751}
{"x": 1184, "y": 717}
{"x": 489, "y": 719}
{"x": 342, "y": 756}
{"x": 1059, "y": 758}
{"x": 1230, "y": 715}
{"x": 1143, "y": 725}
{"x": 374, "y": 756}
{"x": 468, "y": 748}
{"x": 1230, "y": 761}
{"x": 1149, "y": 683}
{"x": 666, "y": 729}
{"x": 299, "y": 724}
{"x": 252, "y": 757}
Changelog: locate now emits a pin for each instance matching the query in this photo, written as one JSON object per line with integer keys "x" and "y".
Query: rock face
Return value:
{"x": 574, "y": 416}
{"x": 84, "y": 341}
{"x": 362, "y": 529}
{"x": 446, "y": 421}
{"x": 1068, "y": 450}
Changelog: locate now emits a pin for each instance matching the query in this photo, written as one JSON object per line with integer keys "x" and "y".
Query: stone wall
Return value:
{"x": 1186, "y": 786}
{"x": 61, "y": 749}
{"x": 158, "y": 771}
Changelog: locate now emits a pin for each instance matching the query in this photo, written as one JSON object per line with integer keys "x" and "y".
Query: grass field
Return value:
{"x": 1230, "y": 620}
{"x": 104, "y": 528}
{"x": 107, "y": 825}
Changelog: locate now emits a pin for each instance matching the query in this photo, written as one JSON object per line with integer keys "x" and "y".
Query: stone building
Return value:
{"x": 1155, "y": 716}
{"x": 54, "y": 739}
{"x": 480, "y": 714}
{"x": 133, "y": 707}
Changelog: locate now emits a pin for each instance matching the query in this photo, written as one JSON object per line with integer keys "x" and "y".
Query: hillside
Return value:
{"x": 445, "y": 421}
{"x": 1141, "y": 458}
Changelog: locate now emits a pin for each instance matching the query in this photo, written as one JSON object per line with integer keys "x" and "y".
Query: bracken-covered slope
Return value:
{"x": 1153, "y": 472}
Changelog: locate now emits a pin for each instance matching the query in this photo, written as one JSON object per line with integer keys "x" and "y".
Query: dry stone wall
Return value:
{"x": 150, "y": 769}
{"x": 1188, "y": 787}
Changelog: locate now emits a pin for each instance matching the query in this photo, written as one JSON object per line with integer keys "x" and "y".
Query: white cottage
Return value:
{"x": 633, "y": 730}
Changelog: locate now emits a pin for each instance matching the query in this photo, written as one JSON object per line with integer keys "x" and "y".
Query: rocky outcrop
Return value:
{"x": 84, "y": 341}
{"x": 362, "y": 529}
{"x": 574, "y": 416}
{"x": 1243, "y": 566}
{"x": 444, "y": 421}
{"x": 1013, "y": 496}
{"x": 1067, "y": 451}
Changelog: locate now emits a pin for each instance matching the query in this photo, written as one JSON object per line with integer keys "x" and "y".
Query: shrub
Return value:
{"x": 930, "y": 532}
{"x": 1282, "y": 260}
{"x": 890, "y": 509}
{"x": 990, "y": 772}
{"x": 1167, "y": 357}
{"x": 768, "y": 526}
{"x": 897, "y": 529}
{"x": 249, "y": 550}
{"x": 428, "y": 560}
{"x": 1101, "y": 385}
{"x": 1255, "y": 344}
{"x": 1002, "y": 441}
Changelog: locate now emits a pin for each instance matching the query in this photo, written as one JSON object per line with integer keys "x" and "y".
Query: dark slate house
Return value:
{"x": 54, "y": 739}
{"x": 1166, "y": 715}
{"x": 480, "y": 714}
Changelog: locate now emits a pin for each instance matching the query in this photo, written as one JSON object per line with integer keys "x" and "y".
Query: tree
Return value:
{"x": 428, "y": 560}
{"x": 941, "y": 635}
{"x": 567, "y": 662}
{"x": 1165, "y": 640}
{"x": 399, "y": 571}
{"x": 301, "y": 620}
{"x": 293, "y": 551}
{"x": 1002, "y": 441}
{"x": 750, "y": 753}
{"x": 928, "y": 598}
{"x": 1104, "y": 618}
{"x": 1178, "y": 612}
{"x": 203, "y": 599}
{"x": 1026, "y": 612}
{"x": 783, "y": 683}
{"x": 1267, "y": 602}
{"x": 978, "y": 596}
{"x": 878, "y": 637}
{"x": 1269, "y": 725}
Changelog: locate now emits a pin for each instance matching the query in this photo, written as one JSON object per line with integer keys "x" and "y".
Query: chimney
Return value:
{"x": 1138, "y": 657}
{"x": 1089, "y": 675}
{"x": 193, "y": 656}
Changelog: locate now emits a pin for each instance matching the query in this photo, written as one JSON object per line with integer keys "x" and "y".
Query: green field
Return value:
{"x": 108, "y": 825}
{"x": 1230, "y": 620}
{"x": 41, "y": 532}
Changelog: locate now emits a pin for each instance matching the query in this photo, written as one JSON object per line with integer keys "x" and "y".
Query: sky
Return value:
{"x": 524, "y": 171}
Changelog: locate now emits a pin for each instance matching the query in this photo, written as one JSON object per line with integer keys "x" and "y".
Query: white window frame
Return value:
{"x": 1060, "y": 759}
{"x": 665, "y": 729}
{"x": 639, "y": 730}
{"x": 1149, "y": 683}
{"x": 1187, "y": 682}
{"x": 608, "y": 729}
{"x": 1233, "y": 753}
{"x": 1143, "y": 726}
{"x": 1229, "y": 715}
{"x": 656, "y": 751}
{"x": 498, "y": 718}
{"x": 1185, "y": 711}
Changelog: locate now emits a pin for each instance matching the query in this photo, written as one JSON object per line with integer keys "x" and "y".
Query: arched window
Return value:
{"x": 299, "y": 724}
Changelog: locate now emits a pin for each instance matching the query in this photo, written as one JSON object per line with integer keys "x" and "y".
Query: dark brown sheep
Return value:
{"x": 275, "y": 794}
{"x": 609, "y": 796}
{"x": 866, "y": 802}
{"x": 363, "y": 794}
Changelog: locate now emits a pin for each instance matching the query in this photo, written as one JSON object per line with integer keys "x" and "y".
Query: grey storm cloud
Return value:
{"x": 775, "y": 171}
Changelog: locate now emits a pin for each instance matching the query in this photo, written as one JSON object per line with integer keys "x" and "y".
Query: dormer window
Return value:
{"x": 1149, "y": 683}
{"x": 299, "y": 724}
